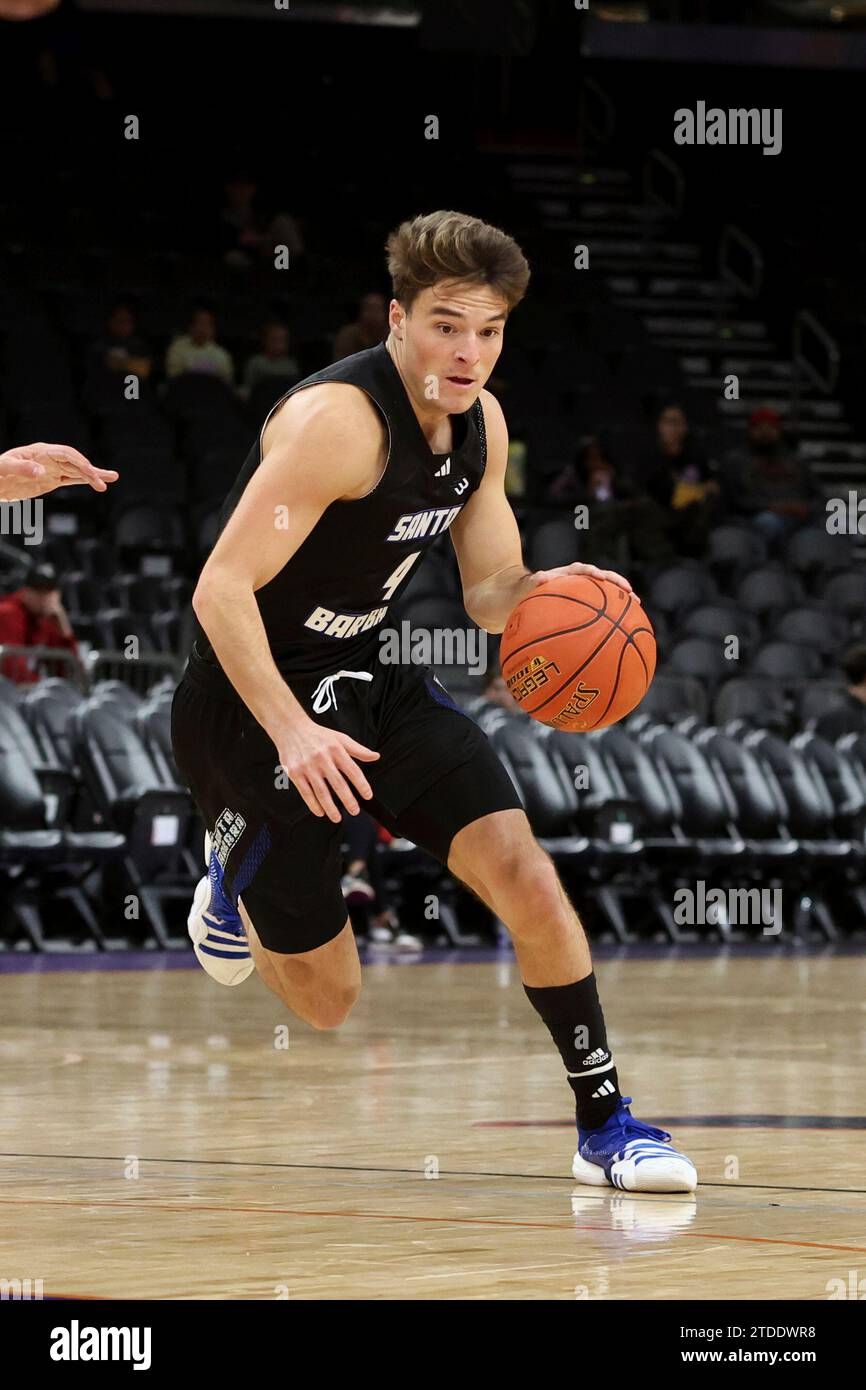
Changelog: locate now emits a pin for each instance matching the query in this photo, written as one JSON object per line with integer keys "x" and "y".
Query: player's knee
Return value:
{"x": 332, "y": 1010}
{"x": 527, "y": 875}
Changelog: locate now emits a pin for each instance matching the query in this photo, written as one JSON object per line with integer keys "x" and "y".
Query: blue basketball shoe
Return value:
{"x": 631, "y": 1155}
{"x": 218, "y": 935}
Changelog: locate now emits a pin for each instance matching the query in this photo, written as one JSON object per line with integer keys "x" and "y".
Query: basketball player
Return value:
{"x": 285, "y": 715}
{"x": 31, "y": 470}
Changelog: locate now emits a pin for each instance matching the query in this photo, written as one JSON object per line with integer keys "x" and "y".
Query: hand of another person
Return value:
{"x": 31, "y": 470}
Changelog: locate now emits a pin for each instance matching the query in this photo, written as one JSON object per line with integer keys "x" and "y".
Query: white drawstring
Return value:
{"x": 323, "y": 695}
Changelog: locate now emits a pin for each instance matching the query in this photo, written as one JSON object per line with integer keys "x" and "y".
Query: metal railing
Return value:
{"x": 653, "y": 191}
{"x": 45, "y": 661}
{"x": 804, "y": 368}
{"x": 735, "y": 237}
{"x": 139, "y": 674}
{"x": 603, "y": 131}
{"x": 97, "y": 664}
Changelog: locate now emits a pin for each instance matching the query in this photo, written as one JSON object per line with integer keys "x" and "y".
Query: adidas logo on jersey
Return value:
{"x": 596, "y": 1057}
{"x": 444, "y": 470}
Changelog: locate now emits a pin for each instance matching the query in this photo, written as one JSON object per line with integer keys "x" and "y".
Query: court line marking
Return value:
{"x": 418, "y": 1172}
{"x": 709, "y": 1203}
{"x": 187, "y": 1209}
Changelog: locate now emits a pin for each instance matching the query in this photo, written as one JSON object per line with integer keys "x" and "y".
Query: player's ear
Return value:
{"x": 396, "y": 316}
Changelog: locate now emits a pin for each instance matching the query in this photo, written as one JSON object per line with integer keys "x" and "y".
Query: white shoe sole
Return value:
{"x": 673, "y": 1173}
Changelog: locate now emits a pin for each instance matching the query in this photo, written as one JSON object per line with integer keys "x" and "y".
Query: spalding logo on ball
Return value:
{"x": 578, "y": 653}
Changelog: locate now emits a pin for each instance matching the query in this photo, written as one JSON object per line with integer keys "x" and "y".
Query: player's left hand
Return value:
{"x": 30, "y": 470}
{"x": 540, "y": 576}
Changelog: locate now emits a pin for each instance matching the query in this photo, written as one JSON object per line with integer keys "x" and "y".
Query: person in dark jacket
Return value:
{"x": 850, "y": 716}
{"x": 676, "y": 475}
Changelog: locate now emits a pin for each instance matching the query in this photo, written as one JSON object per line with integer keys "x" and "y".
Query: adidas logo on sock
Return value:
{"x": 596, "y": 1057}
{"x": 444, "y": 470}
{"x": 606, "y": 1088}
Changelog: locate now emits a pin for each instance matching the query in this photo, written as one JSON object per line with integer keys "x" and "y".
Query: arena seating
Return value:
{"x": 717, "y": 771}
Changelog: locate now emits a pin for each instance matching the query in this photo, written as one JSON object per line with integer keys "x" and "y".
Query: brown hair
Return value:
{"x": 453, "y": 246}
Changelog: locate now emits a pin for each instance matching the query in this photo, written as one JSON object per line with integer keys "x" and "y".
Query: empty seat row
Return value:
{"x": 87, "y": 785}
{"x": 645, "y": 814}
{"x": 760, "y": 591}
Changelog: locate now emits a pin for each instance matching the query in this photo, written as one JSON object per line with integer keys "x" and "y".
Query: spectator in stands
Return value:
{"x": 34, "y": 616}
{"x": 496, "y": 691}
{"x": 766, "y": 482}
{"x": 363, "y": 883}
{"x": 198, "y": 351}
{"x": 284, "y": 230}
{"x": 617, "y": 512}
{"x": 850, "y": 716}
{"x": 370, "y": 327}
{"x": 121, "y": 348}
{"x": 241, "y": 230}
{"x": 274, "y": 358}
{"x": 246, "y": 235}
{"x": 676, "y": 475}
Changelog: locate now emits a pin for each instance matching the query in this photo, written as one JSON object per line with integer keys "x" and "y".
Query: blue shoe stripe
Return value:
{"x": 223, "y": 955}
{"x": 217, "y": 924}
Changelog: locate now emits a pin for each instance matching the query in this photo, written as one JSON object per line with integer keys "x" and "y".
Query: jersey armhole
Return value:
{"x": 347, "y": 500}
{"x": 482, "y": 432}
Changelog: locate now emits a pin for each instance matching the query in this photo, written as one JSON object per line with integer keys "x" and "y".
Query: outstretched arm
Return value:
{"x": 31, "y": 470}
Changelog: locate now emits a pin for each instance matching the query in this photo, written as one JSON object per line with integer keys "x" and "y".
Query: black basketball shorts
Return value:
{"x": 436, "y": 773}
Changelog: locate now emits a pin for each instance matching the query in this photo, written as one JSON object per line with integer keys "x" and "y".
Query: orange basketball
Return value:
{"x": 578, "y": 653}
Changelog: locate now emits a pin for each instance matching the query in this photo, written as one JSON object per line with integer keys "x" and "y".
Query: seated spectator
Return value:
{"x": 273, "y": 360}
{"x": 121, "y": 348}
{"x": 849, "y": 717}
{"x": 617, "y": 511}
{"x": 490, "y": 709}
{"x": 34, "y": 616}
{"x": 363, "y": 883}
{"x": 767, "y": 483}
{"x": 675, "y": 474}
{"x": 246, "y": 234}
{"x": 240, "y": 230}
{"x": 198, "y": 351}
{"x": 370, "y": 327}
{"x": 496, "y": 691}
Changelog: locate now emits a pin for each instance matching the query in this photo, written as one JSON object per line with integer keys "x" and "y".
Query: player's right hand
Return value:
{"x": 320, "y": 761}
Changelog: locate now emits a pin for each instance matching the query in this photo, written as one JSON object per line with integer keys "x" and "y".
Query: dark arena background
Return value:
{"x": 194, "y": 205}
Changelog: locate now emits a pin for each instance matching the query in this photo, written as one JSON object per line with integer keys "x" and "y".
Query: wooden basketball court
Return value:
{"x": 165, "y": 1138}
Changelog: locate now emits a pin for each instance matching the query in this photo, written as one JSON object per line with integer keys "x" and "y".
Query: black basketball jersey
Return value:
{"x": 326, "y": 606}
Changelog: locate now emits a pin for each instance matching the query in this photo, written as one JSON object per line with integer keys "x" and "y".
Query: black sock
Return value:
{"x": 576, "y": 1023}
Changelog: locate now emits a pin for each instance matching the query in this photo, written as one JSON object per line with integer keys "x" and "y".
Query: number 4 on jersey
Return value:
{"x": 395, "y": 579}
